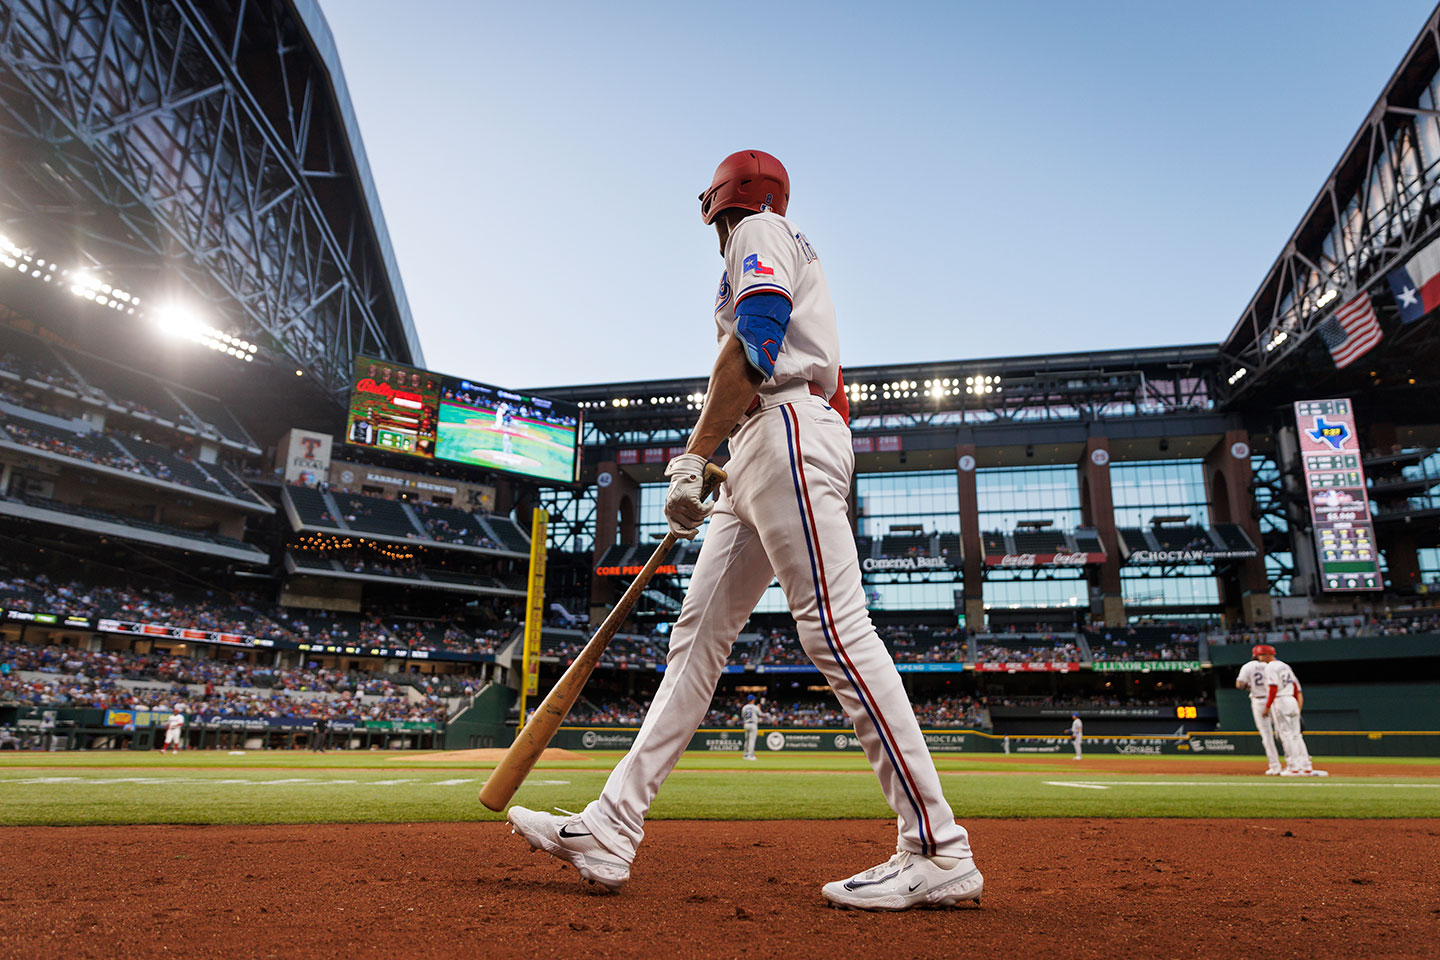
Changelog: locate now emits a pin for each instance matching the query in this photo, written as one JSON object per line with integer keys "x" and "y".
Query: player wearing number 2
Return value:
{"x": 776, "y": 391}
{"x": 1284, "y": 701}
{"x": 1252, "y": 678}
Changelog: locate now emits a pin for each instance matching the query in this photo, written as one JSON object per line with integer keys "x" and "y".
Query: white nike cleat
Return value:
{"x": 567, "y": 839}
{"x": 909, "y": 880}
{"x": 1272, "y": 772}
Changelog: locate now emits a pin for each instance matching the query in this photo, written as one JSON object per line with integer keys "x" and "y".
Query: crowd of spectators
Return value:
{"x": 441, "y": 529}
{"x": 1026, "y": 648}
{"x": 724, "y": 713}
{"x": 1385, "y": 623}
{"x": 239, "y": 613}
{"x": 69, "y": 677}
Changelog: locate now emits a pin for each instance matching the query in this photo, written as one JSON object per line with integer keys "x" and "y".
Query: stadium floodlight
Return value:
{"x": 1327, "y": 296}
{"x": 1237, "y": 375}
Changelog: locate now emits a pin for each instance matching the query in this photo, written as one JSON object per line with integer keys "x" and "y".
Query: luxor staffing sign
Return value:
{"x": 1335, "y": 488}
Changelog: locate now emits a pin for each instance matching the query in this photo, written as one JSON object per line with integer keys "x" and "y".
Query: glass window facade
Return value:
{"x": 1009, "y": 494}
{"x": 930, "y": 498}
{"x": 1143, "y": 490}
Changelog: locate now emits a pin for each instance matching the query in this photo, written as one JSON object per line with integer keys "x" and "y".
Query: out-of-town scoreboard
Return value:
{"x": 1335, "y": 486}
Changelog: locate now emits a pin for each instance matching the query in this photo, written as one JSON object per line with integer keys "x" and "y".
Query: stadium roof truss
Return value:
{"x": 1084, "y": 387}
{"x": 1379, "y": 206}
{"x": 211, "y": 143}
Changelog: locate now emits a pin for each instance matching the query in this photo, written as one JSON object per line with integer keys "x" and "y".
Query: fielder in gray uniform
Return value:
{"x": 750, "y": 716}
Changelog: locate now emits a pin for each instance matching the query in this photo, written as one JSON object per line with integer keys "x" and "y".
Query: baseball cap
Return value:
{"x": 1262, "y": 650}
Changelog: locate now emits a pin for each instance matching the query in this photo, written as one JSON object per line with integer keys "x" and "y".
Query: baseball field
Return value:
{"x": 222, "y": 855}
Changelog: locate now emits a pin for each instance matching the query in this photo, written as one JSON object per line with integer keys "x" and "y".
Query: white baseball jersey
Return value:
{"x": 750, "y": 715}
{"x": 768, "y": 254}
{"x": 782, "y": 515}
{"x": 176, "y": 721}
{"x": 1253, "y": 676}
{"x": 1075, "y": 727}
{"x": 1279, "y": 674}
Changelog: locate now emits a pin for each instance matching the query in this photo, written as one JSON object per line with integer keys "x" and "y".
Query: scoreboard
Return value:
{"x": 1335, "y": 488}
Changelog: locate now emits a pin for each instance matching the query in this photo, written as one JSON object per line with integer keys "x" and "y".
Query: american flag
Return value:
{"x": 1351, "y": 331}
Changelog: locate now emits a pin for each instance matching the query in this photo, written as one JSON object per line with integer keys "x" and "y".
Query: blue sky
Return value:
{"x": 980, "y": 179}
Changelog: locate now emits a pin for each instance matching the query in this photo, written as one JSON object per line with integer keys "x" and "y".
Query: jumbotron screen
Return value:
{"x": 393, "y": 408}
{"x": 403, "y": 410}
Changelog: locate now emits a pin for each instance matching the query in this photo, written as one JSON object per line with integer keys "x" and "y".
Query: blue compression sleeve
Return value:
{"x": 760, "y": 322}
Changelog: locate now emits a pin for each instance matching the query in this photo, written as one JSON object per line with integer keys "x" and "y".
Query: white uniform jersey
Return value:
{"x": 768, "y": 254}
{"x": 750, "y": 715}
{"x": 1253, "y": 676}
{"x": 1278, "y": 674}
{"x": 176, "y": 721}
{"x": 1075, "y": 727}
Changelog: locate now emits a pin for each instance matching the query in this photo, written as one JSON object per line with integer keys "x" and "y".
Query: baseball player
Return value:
{"x": 777, "y": 392}
{"x": 1076, "y": 731}
{"x": 1252, "y": 678}
{"x": 1283, "y": 702}
{"x": 750, "y": 716}
{"x": 174, "y": 727}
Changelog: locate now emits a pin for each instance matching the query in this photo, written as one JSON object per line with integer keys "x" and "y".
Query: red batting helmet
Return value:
{"x": 751, "y": 180}
{"x": 1262, "y": 650}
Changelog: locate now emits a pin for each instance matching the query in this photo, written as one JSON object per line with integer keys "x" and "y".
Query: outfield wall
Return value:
{"x": 1321, "y": 743}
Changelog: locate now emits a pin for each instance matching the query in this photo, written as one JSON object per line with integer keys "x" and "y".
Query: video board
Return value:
{"x": 393, "y": 408}
{"x": 400, "y": 409}
{"x": 1335, "y": 488}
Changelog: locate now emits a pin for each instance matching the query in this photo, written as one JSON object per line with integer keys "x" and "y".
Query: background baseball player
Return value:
{"x": 776, "y": 390}
{"x": 750, "y": 716}
{"x": 1252, "y": 678}
{"x": 1076, "y": 732}
{"x": 1283, "y": 702}
{"x": 174, "y": 729}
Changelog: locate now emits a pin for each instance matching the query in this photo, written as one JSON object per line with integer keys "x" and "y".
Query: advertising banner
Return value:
{"x": 306, "y": 456}
{"x": 1028, "y": 666}
{"x": 1027, "y": 560}
{"x": 1146, "y": 666}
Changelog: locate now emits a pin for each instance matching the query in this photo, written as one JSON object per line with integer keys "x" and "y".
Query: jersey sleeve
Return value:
{"x": 760, "y": 258}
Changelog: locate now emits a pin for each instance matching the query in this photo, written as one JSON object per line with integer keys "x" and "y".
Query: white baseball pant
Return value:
{"x": 783, "y": 511}
{"x": 1267, "y": 732}
{"x": 1286, "y": 714}
{"x": 750, "y": 734}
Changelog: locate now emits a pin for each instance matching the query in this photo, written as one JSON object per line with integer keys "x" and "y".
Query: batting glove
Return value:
{"x": 685, "y": 511}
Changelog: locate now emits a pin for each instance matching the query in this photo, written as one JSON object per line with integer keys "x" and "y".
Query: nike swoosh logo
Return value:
{"x": 915, "y": 884}
{"x": 857, "y": 884}
{"x": 568, "y": 836}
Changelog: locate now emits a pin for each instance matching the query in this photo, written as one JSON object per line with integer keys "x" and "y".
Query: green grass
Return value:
{"x": 257, "y": 788}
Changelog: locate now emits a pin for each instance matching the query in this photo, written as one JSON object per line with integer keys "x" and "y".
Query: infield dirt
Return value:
{"x": 1111, "y": 889}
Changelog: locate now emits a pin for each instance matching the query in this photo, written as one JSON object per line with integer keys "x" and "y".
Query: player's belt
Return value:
{"x": 785, "y": 394}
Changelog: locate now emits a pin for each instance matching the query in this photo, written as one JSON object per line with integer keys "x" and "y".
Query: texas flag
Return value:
{"x": 1416, "y": 285}
{"x": 753, "y": 264}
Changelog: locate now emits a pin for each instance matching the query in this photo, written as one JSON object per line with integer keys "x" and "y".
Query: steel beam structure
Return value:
{"x": 1380, "y": 205}
{"x": 209, "y": 144}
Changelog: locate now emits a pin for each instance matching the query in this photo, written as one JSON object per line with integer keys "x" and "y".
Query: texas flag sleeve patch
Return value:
{"x": 754, "y": 265}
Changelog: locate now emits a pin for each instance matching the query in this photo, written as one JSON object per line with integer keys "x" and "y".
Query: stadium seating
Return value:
{"x": 995, "y": 544}
{"x": 1040, "y": 541}
{"x": 214, "y": 414}
{"x": 950, "y": 546}
{"x": 93, "y": 514}
{"x": 1185, "y": 537}
{"x": 446, "y": 524}
{"x": 1233, "y": 537}
{"x": 377, "y": 515}
{"x": 908, "y": 545}
{"x": 507, "y": 532}
{"x": 1087, "y": 540}
{"x": 310, "y": 507}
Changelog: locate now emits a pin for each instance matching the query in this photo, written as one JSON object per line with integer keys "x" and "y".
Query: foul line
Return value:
{"x": 1095, "y": 785}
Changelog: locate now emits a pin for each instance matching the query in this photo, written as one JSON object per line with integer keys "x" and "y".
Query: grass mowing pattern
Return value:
{"x": 206, "y": 788}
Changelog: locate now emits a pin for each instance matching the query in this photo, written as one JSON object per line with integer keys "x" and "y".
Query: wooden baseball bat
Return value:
{"x": 536, "y": 735}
